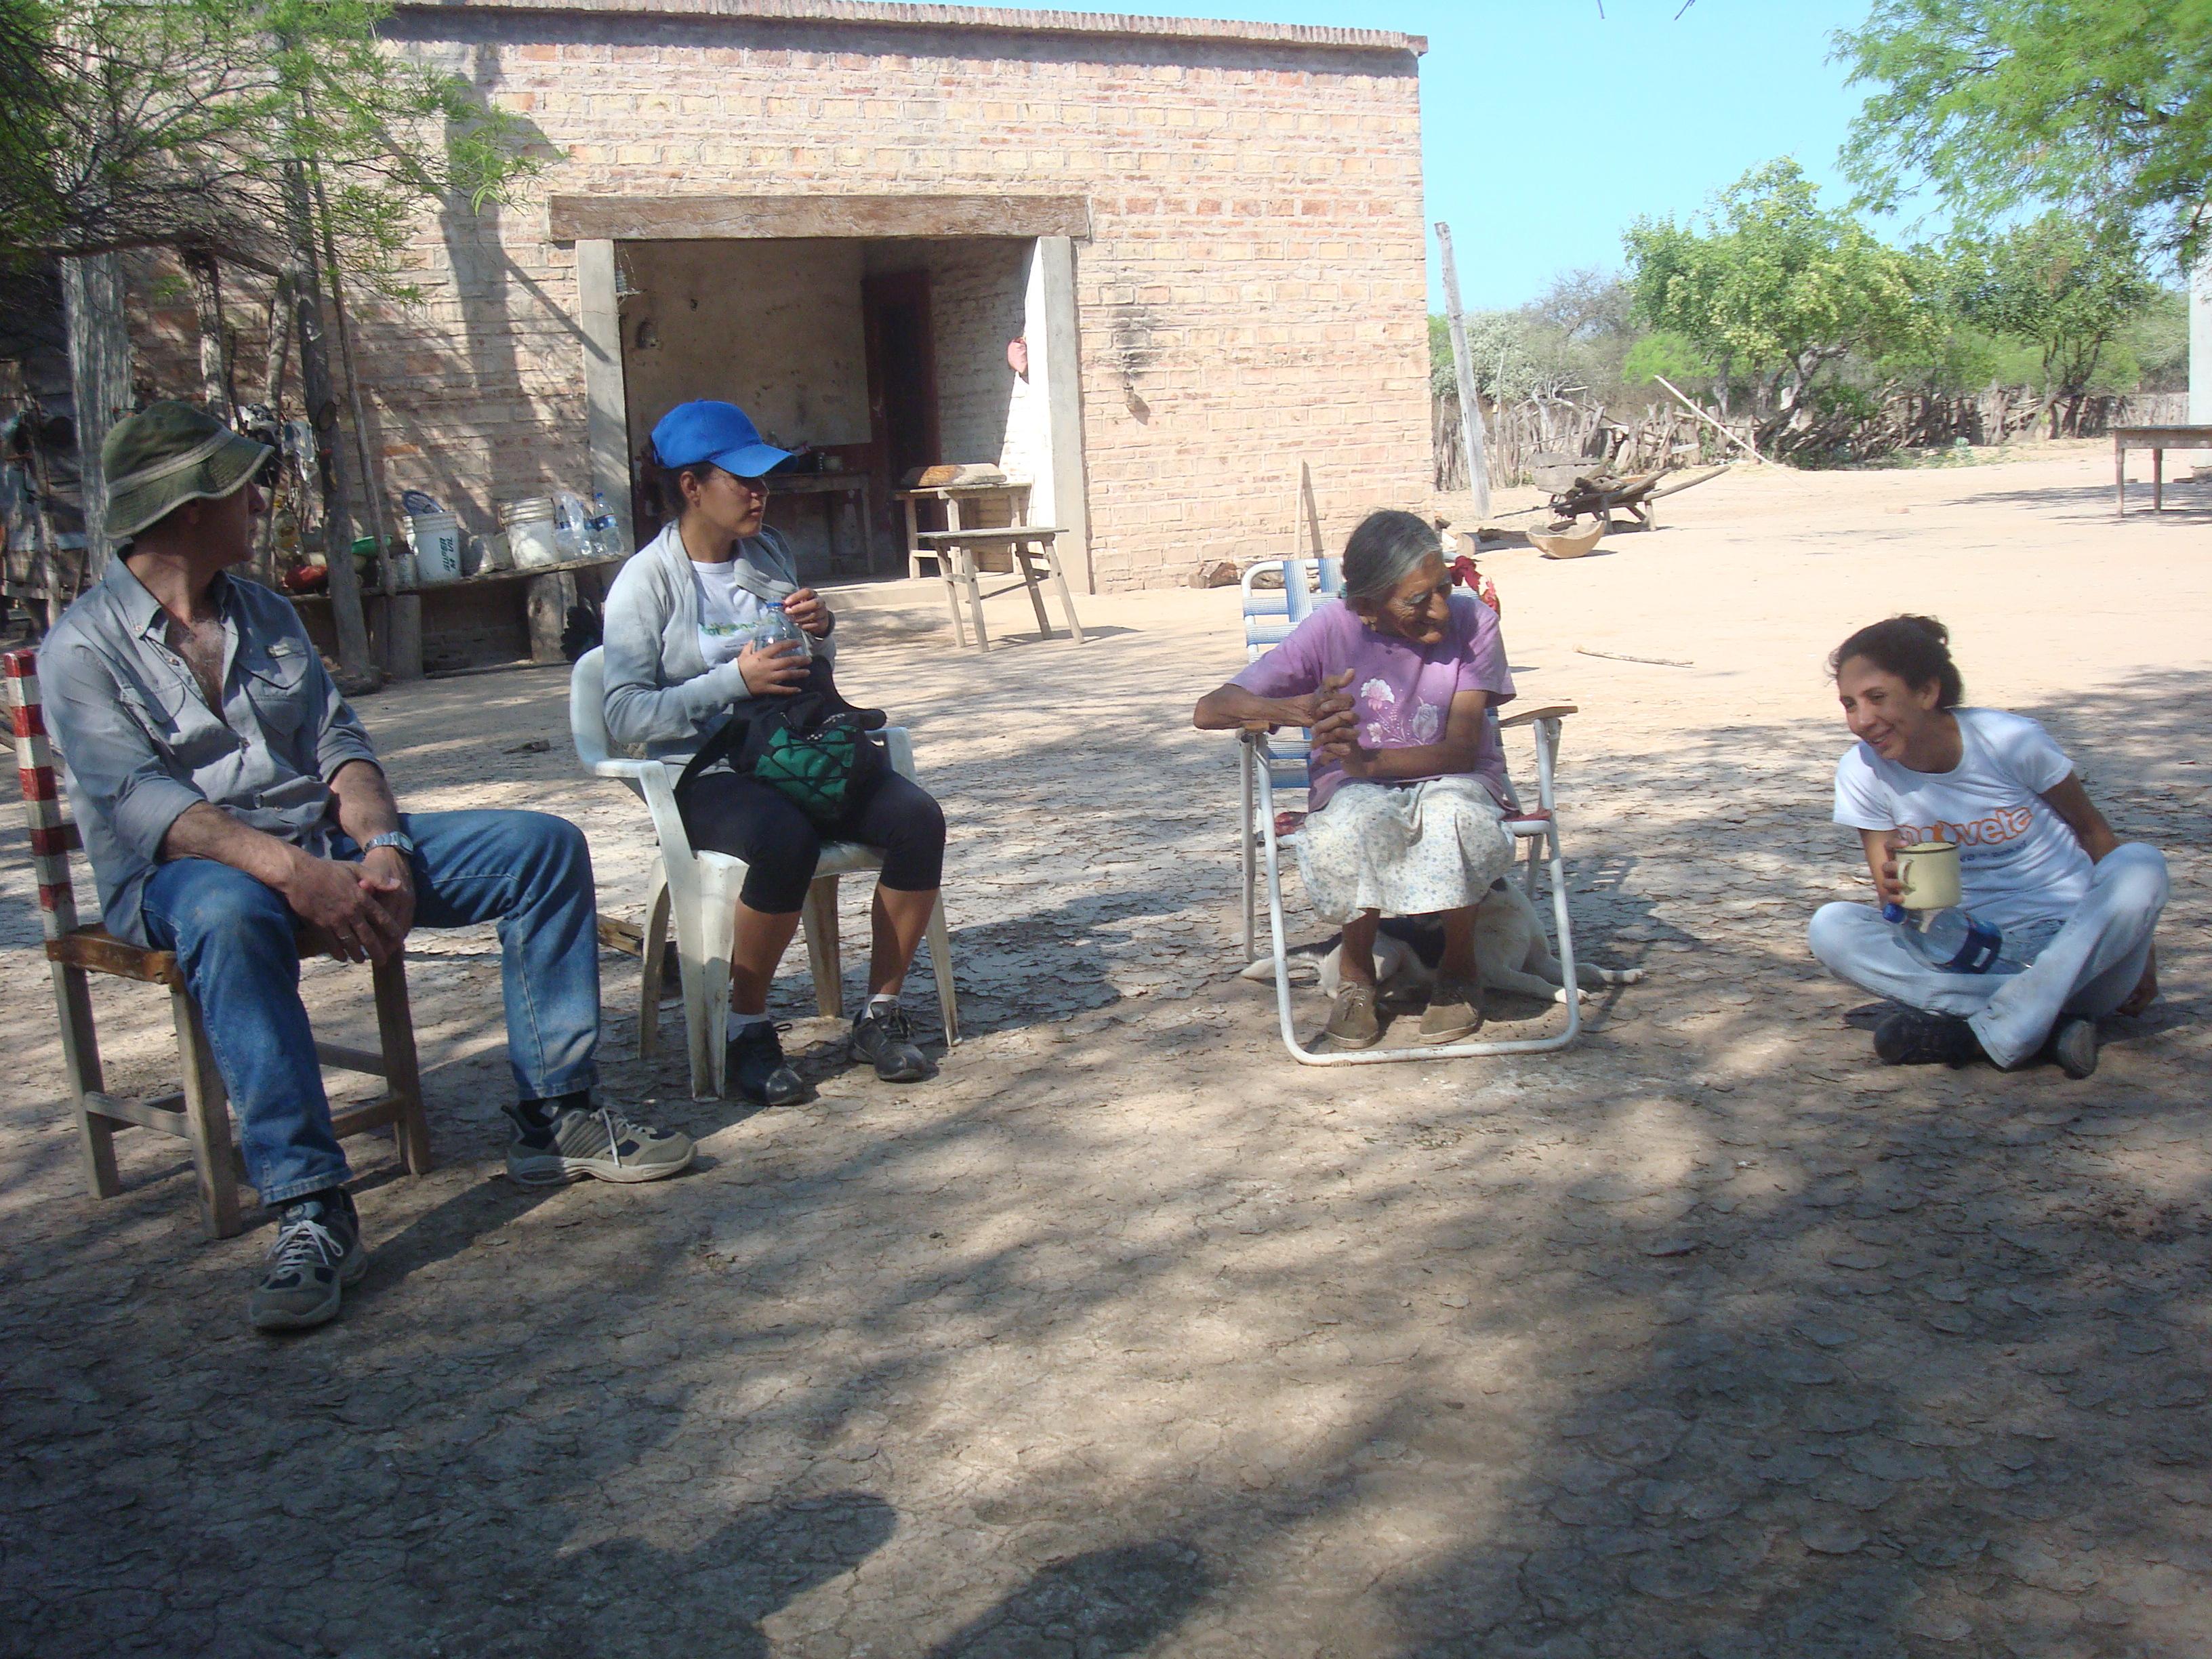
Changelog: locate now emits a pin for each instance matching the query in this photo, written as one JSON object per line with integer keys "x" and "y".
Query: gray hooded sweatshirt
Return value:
{"x": 660, "y": 693}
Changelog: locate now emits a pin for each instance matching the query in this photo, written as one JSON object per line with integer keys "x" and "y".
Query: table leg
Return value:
{"x": 913, "y": 543}
{"x": 2158, "y": 481}
{"x": 1021, "y": 551}
{"x": 868, "y": 521}
{"x": 1060, "y": 582}
{"x": 965, "y": 561}
{"x": 950, "y": 577}
{"x": 2119, "y": 478}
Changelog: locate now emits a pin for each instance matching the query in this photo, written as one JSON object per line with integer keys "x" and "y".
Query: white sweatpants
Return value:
{"x": 2088, "y": 967}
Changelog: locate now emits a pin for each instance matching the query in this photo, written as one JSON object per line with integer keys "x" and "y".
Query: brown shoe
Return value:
{"x": 1455, "y": 1010}
{"x": 1352, "y": 1023}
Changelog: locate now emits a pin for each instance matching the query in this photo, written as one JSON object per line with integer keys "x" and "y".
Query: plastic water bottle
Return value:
{"x": 776, "y": 627}
{"x": 602, "y": 534}
{"x": 1951, "y": 939}
{"x": 568, "y": 516}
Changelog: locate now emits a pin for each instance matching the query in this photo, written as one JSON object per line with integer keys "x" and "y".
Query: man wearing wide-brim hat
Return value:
{"x": 226, "y": 794}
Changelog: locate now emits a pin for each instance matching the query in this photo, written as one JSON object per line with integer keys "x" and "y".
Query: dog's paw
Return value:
{"x": 1564, "y": 992}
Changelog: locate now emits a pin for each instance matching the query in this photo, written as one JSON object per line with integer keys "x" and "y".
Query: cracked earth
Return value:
{"x": 1126, "y": 1335}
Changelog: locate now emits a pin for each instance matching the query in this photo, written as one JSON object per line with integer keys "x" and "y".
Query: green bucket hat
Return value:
{"x": 166, "y": 455}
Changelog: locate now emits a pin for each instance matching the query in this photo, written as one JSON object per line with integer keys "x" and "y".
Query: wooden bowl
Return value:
{"x": 1567, "y": 543}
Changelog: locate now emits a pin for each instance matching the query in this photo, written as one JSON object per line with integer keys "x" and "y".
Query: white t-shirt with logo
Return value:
{"x": 2018, "y": 861}
{"x": 727, "y": 613}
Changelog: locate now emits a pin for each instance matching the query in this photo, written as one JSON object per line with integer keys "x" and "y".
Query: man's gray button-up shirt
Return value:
{"x": 140, "y": 744}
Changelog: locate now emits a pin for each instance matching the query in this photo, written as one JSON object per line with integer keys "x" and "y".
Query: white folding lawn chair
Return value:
{"x": 698, "y": 890}
{"x": 1274, "y": 760}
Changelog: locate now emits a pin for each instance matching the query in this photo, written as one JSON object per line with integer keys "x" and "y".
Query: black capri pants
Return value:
{"x": 737, "y": 814}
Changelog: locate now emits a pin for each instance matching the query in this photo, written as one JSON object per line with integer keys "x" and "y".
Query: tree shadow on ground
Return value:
{"x": 1707, "y": 1337}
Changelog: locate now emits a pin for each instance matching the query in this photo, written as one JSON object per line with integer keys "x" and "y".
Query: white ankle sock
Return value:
{"x": 734, "y": 1027}
{"x": 878, "y": 1005}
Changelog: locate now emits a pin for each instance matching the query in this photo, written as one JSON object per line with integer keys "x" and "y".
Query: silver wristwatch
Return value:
{"x": 399, "y": 838}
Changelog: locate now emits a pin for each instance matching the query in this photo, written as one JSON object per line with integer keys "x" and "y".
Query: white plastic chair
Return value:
{"x": 1271, "y": 761}
{"x": 698, "y": 890}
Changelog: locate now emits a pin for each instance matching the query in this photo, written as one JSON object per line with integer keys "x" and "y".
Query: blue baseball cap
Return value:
{"x": 721, "y": 432}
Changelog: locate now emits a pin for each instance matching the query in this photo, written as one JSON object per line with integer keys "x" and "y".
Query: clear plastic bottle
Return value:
{"x": 604, "y": 535}
{"x": 569, "y": 535}
{"x": 776, "y": 627}
{"x": 1951, "y": 939}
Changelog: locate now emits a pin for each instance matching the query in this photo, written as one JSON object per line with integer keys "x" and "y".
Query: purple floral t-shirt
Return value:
{"x": 1401, "y": 692}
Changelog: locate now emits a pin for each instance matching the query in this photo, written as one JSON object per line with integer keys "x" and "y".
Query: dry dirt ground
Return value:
{"x": 1126, "y": 1335}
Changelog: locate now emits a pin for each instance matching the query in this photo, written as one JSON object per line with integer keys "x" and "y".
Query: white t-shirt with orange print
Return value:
{"x": 2018, "y": 861}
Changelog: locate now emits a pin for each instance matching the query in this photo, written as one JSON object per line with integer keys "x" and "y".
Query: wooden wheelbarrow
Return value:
{"x": 1581, "y": 487}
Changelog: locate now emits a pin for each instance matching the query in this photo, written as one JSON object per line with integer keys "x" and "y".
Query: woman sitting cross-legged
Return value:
{"x": 2073, "y": 907}
{"x": 681, "y": 656}
{"x": 1409, "y": 778}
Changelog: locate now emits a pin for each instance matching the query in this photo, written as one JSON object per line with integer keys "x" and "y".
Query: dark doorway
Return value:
{"x": 901, "y": 352}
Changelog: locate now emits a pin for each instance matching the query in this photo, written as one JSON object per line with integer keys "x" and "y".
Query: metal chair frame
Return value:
{"x": 1267, "y": 762}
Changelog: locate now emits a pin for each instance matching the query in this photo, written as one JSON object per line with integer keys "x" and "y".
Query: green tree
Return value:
{"x": 183, "y": 124}
{"x": 2158, "y": 336}
{"x": 2068, "y": 289}
{"x": 2100, "y": 106}
{"x": 1515, "y": 356}
{"x": 1777, "y": 291}
{"x": 1664, "y": 354}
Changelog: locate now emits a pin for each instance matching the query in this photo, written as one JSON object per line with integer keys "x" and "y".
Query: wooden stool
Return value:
{"x": 956, "y": 550}
{"x": 198, "y": 1114}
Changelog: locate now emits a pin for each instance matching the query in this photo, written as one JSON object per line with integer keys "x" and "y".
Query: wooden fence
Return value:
{"x": 1663, "y": 434}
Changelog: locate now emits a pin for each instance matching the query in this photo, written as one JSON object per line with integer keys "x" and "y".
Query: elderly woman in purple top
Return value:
{"x": 1396, "y": 681}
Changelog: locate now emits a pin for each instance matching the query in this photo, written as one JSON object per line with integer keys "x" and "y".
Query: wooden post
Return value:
{"x": 370, "y": 495}
{"x": 99, "y": 381}
{"x": 547, "y": 599}
{"x": 357, "y": 667}
{"x": 279, "y": 332}
{"x": 402, "y": 638}
{"x": 1306, "y": 517}
{"x": 216, "y": 393}
{"x": 1470, "y": 411}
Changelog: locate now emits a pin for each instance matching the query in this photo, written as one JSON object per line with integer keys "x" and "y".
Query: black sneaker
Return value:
{"x": 1910, "y": 1038}
{"x": 885, "y": 1040}
{"x": 755, "y": 1067}
{"x": 2074, "y": 1045}
{"x": 317, "y": 1254}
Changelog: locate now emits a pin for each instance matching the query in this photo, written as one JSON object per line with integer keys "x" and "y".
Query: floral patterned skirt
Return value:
{"x": 1405, "y": 850}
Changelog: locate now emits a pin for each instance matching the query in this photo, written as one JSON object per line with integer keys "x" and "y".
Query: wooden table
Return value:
{"x": 1015, "y": 492}
{"x": 848, "y": 519}
{"x": 955, "y": 552}
{"x": 2157, "y": 440}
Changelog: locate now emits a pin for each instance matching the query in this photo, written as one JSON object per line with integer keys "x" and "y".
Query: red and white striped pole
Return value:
{"x": 52, "y": 837}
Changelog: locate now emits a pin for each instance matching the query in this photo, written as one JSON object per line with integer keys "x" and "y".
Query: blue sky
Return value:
{"x": 1548, "y": 128}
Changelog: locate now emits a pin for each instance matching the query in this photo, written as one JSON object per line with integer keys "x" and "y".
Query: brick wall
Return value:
{"x": 1252, "y": 294}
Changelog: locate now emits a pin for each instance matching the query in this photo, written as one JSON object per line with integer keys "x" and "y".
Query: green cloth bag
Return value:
{"x": 823, "y": 773}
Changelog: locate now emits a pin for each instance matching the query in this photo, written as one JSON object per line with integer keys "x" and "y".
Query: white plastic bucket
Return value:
{"x": 437, "y": 539}
{"x": 531, "y": 536}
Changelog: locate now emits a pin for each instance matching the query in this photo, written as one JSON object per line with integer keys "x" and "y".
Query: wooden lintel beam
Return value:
{"x": 698, "y": 218}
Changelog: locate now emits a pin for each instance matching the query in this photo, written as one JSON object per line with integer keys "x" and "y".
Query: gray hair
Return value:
{"x": 1387, "y": 548}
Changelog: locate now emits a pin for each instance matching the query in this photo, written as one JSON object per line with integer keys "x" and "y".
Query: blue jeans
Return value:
{"x": 233, "y": 937}
{"x": 2089, "y": 966}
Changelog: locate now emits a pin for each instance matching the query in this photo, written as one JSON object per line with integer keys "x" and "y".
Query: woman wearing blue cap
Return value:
{"x": 680, "y": 656}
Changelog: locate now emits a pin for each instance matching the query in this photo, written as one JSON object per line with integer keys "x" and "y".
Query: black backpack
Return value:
{"x": 812, "y": 747}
